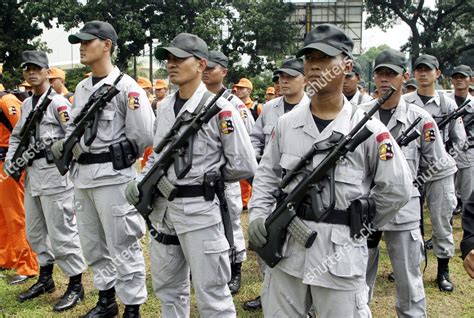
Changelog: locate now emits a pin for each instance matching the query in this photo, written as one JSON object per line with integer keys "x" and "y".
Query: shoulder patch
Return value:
{"x": 428, "y": 132}
{"x": 225, "y": 122}
{"x": 243, "y": 111}
{"x": 133, "y": 100}
{"x": 385, "y": 146}
{"x": 63, "y": 114}
{"x": 11, "y": 110}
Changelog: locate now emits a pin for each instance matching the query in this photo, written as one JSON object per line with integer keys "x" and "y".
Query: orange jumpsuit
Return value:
{"x": 15, "y": 251}
{"x": 245, "y": 187}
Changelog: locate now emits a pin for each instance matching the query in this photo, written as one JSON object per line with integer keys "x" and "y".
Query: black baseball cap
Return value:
{"x": 35, "y": 57}
{"x": 356, "y": 69}
{"x": 361, "y": 83}
{"x": 217, "y": 58}
{"x": 184, "y": 45}
{"x": 428, "y": 60}
{"x": 463, "y": 70}
{"x": 292, "y": 67}
{"x": 328, "y": 39}
{"x": 94, "y": 30}
{"x": 392, "y": 59}
{"x": 411, "y": 82}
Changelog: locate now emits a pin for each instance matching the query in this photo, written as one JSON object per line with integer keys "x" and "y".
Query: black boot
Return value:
{"x": 234, "y": 284}
{"x": 106, "y": 305}
{"x": 254, "y": 304}
{"x": 45, "y": 284}
{"x": 444, "y": 283}
{"x": 74, "y": 294}
{"x": 132, "y": 311}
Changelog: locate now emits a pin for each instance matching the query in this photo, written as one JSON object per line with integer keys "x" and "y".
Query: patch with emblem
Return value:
{"x": 11, "y": 110}
{"x": 133, "y": 100}
{"x": 225, "y": 122}
{"x": 385, "y": 146}
{"x": 243, "y": 111}
{"x": 63, "y": 114}
{"x": 428, "y": 132}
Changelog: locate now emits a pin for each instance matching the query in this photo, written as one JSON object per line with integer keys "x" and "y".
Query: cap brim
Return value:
{"x": 289, "y": 71}
{"x": 161, "y": 53}
{"x": 78, "y": 37}
{"x": 326, "y": 49}
{"x": 462, "y": 73}
{"x": 395, "y": 68}
{"x": 431, "y": 66}
{"x": 211, "y": 64}
{"x": 412, "y": 85}
{"x": 34, "y": 63}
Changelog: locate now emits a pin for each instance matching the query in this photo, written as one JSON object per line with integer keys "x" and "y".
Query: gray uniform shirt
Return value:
{"x": 427, "y": 152}
{"x": 358, "y": 98}
{"x": 127, "y": 116}
{"x": 223, "y": 144}
{"x": 244, "y": 112}
{"x": 454, "y": 131}
{"x": 378, "y": 160}
{"x": 262, "y": 131}
{"x": 465, "y": 157}
{"x": 43, "y": 178}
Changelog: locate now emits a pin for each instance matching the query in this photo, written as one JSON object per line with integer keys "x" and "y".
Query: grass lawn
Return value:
{"x": 458, "y": 304}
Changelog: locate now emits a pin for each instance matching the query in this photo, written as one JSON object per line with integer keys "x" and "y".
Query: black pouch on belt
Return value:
{"x": 210, "y": 181}
{"x": 123, "y": 154}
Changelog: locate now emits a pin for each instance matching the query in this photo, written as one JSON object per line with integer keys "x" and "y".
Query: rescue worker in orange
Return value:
{"x": 57, "y": 78}
{"x": 145, "y": 83}
{"x": 161, "y": 90}
{"x": 243, "y": 89}
{"x": 270, "y": 93}
{"x": 15, "y": 251}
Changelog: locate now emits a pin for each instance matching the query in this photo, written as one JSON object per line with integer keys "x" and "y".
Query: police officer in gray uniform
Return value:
{"x": 402, "y": 234}
{"x": 460, "y": 79}
{"x": 191, "y": 229}
{"x": 330, "y": 275}
{"x": 292, "y": 82}
{"x": 350, "y": 88}
{"x": 49, "y": 197}
{"x": 440, "y": 196}
{"x": 213, "y": 78}
{"x": 109, "y": 227}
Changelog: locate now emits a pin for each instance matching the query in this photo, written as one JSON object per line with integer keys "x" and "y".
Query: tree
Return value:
{"x": 18, "y": 31}
{"x": 440, "y": 31}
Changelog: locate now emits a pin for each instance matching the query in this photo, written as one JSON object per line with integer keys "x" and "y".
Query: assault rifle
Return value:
{"x": 283, "y": 219}
{"x": 155, "y": 181}
{"x": 86, "y": 121}
{"x": 27, "y": 135}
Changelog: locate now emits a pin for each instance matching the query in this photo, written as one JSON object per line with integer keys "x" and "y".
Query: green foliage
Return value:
{"x": 444, "y": 29}
{"x": 74, "y": 76}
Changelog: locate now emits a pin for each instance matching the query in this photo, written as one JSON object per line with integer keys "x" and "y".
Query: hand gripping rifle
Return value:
{"x": 27, "y": 135}
{"x": 155, "y": 181}
{"x": 283, "y": 219}
{"x": 86, "y": 122}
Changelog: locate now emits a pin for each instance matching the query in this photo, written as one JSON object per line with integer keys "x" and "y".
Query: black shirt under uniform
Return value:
{"x": 287, "y": 106}
{"x": 385, "y": 115}
{"x": 178, "y": 104}
{"x": 321, "y": 123}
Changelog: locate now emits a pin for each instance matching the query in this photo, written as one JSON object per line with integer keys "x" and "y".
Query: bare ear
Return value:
{"x": 438, "y": 73}
{"x": 108, "y": 45}
{"x": 202, "y": 65}
{"x": 406, "y": 76}
{"x": 224, "y": 71}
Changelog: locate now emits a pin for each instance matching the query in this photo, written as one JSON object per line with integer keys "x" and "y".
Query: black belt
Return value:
{"x": 87, "y": 158}
{"x": 162, "y": 238}
{"x": 40, "y": 154}
{"x": 3, "y": 153}
{"x": 342, "y": 217}
{"x": 190, "y": 191}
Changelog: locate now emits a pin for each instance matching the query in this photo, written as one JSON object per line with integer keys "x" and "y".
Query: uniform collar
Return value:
{"x": 414, "y": 98}
{"x": 109, "y": 79}
{"x": 191, "y": 103}
{"x": 400, "y": 114}
{"x": 340, "y": 124}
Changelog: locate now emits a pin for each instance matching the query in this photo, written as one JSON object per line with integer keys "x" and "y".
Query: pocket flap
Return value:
{"x": 215, "y": 246}
{"x": 349, "y": 175}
